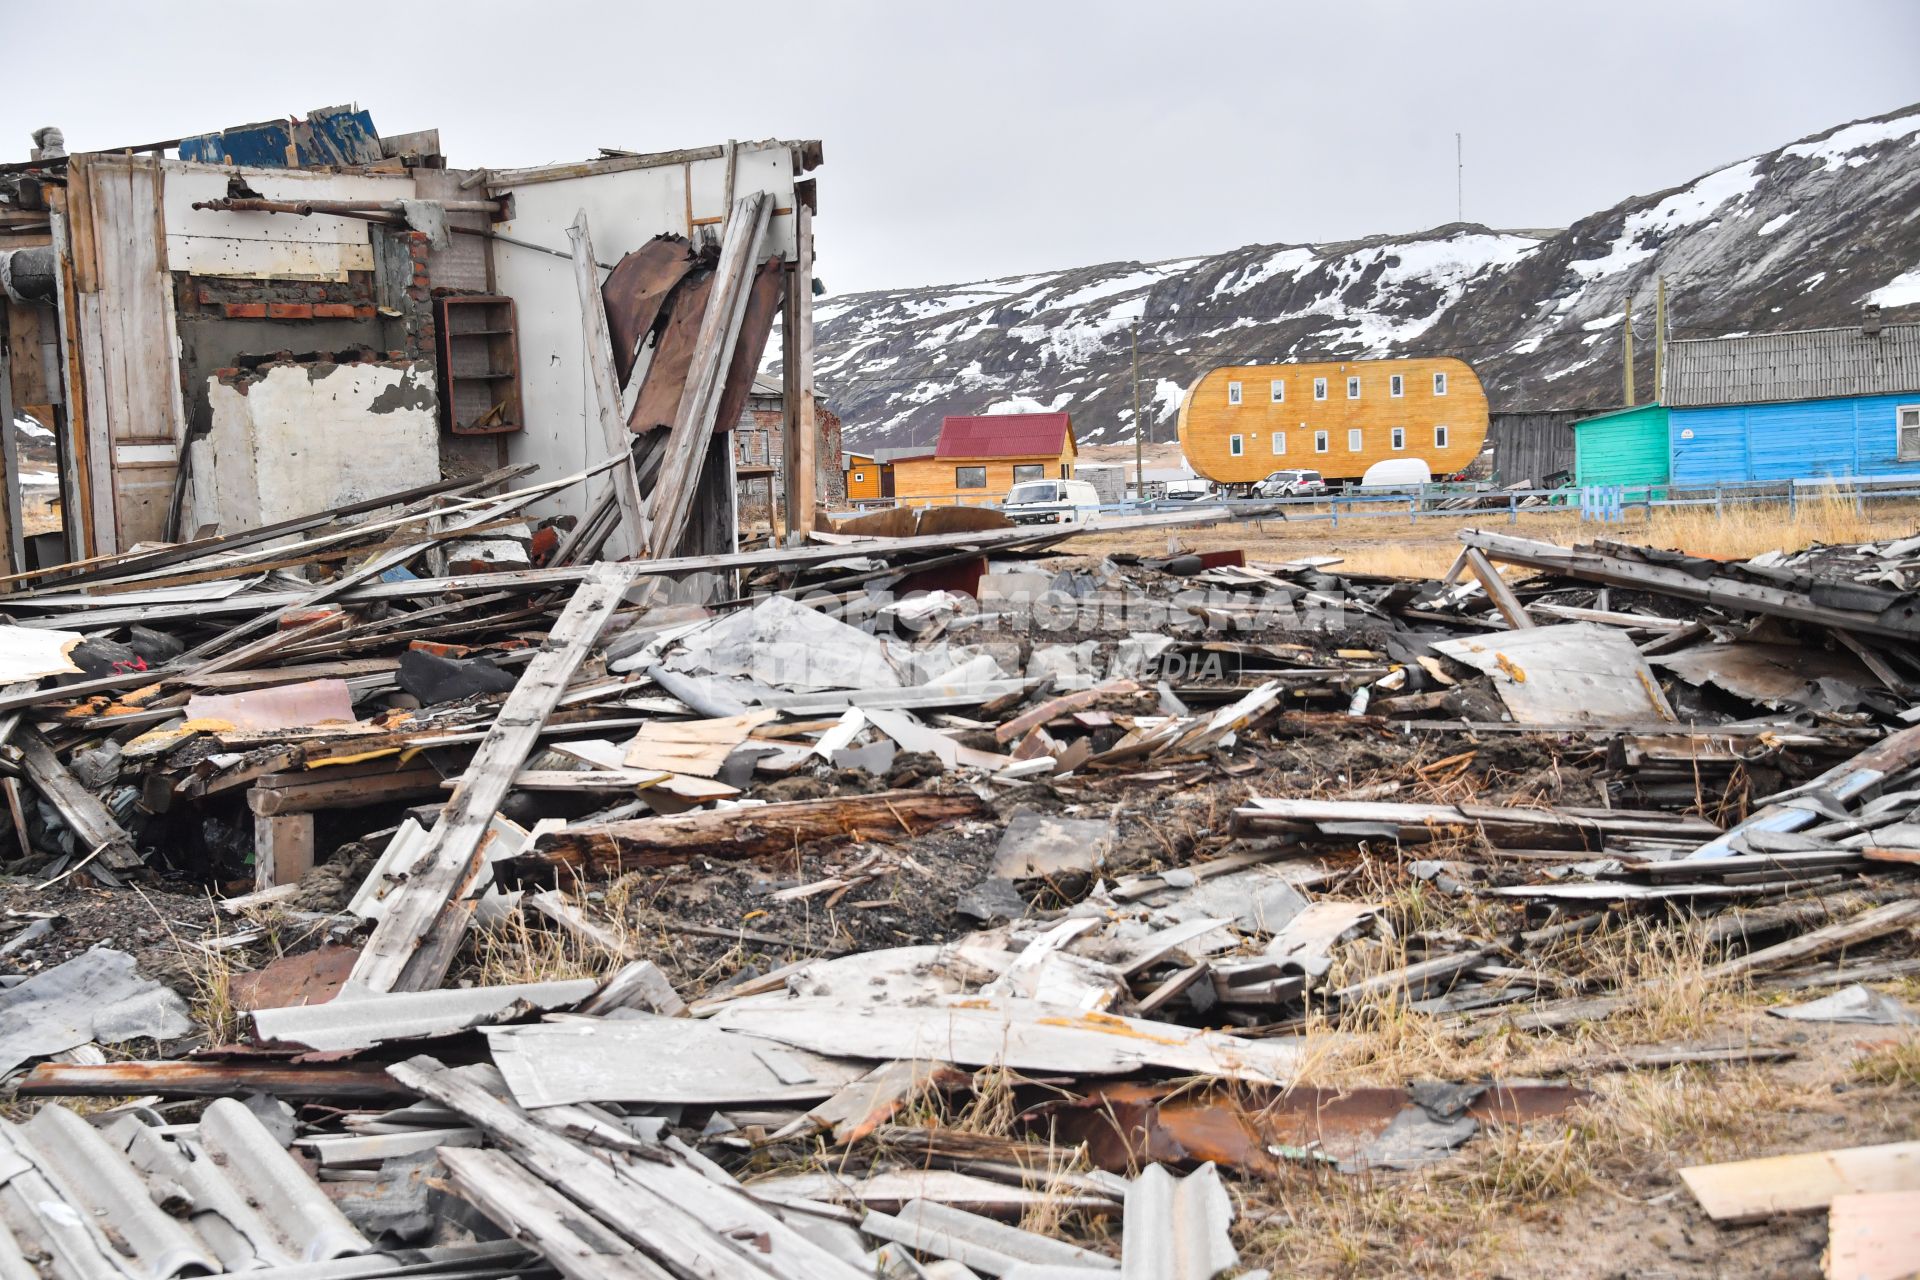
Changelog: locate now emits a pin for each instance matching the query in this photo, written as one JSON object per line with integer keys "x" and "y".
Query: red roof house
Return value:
{"x": 1006, "y": 435}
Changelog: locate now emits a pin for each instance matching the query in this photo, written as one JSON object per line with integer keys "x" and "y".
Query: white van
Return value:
{"x": 1051, "y": 502}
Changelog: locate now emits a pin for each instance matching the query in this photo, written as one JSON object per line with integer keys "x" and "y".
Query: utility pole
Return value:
{"x": 1459, "y": 182}
{"x": 1627, "y": 344}
{"x": 1139, "y": 448}
{"x": 1659, "y": 339}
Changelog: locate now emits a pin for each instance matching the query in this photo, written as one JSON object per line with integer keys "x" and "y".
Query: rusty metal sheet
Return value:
{"x": 914, "y": 522}
{"x": 637, "y": 290}
{"x": 312, "y": 977}
{"x": 1781, "y": 676}
{"x": 210, "y": 1079}
{"x": 659, "y": 399}
{"x": 1257, "y": 1130}
{"x": 763, "y": 306}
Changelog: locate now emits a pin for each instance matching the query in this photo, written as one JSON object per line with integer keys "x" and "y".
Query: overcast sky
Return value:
{"x": 978, "y": 139}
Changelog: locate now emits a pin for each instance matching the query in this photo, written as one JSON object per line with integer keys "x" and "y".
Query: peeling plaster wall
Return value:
{"x": 624, "y": 209}
{"x": 302, "y": 438}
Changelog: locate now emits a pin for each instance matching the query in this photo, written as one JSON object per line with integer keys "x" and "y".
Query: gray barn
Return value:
{"x": 1534, "y": 448}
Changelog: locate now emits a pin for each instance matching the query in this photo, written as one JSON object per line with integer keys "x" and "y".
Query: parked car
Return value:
{"x": 1294, "y": 483}
{"x": 1051, "y": 502}
{"x": 1187, "y": 490}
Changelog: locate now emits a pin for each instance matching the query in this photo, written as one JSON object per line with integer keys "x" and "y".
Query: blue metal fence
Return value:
{"x": 1608, "y": 504}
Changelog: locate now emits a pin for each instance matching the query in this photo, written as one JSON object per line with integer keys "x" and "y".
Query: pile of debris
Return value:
{"x": 569, "y": 924}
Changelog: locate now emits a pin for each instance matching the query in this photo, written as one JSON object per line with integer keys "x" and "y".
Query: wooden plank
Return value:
{"x": 93, "y": 827}
{"x": 280, "y": 793}
{"x": 1873, "y": 1236}
{"x": 414, "y": 942}
{"x": 800, "y": 432}
{"x": 1754, "y": 1190}
{"x": 1497, "y": 589}
{"x": 609, "y": 848}
{"x": 533, "y": 1213}
{"x": 1060, "y": 706}
{"x": 606, "y": 386}
{"x": 1877, "y": 923}
{"x": 687, "y": 445}
{"x": 282, "y": 848}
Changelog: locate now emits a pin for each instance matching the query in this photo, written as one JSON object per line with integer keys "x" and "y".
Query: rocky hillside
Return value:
{"x": 1796, "y": 238}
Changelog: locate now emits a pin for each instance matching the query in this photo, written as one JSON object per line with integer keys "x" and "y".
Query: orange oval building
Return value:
{"x": 1241, "y": 423}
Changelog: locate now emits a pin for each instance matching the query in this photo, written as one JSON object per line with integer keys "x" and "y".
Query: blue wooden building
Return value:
{"x": 1812, "y": 404}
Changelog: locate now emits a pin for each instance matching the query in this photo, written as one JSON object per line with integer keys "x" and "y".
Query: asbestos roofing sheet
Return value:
{"x": 87, "y": 1201}
{"x": 360, "y": 1021}
{"x": 1022, "y": 1034}
{"x": 1177, "y": 1228}
{"x": 646, "y": 1059}
{"x": 1577, "y": 673}
{"x": 97, "y": 995}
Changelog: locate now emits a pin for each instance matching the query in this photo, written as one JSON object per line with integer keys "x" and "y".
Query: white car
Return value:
{"x": 1293, "y": 483}
{"x": 1052, "y": 502}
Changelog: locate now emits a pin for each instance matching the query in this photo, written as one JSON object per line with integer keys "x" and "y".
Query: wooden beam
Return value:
{"x": 413, "y": 945}
{"x": 282, "y": 848}
{"x": 609, "y": 848}
{"x": 800, "y": 440}
{"x": 1497, "y": 589}
{"x": 1877, "y": 923}
{"x": 92, "y": 825}
{"x": 605, "y": 405}
{"x": 693, "y": 421}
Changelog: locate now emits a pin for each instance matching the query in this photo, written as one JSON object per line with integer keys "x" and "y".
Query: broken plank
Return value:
{"x": 414, "y": 942}
{"x": 1497, "y": 589}
{"x": 607, "y": 849}
{"x": 93, "y": 826}
{"x": 1862, "y": 928}
{"x": 1754, "y": 1190}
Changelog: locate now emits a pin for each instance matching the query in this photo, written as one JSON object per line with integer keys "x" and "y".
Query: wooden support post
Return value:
{"x": 1626, "y": 342}
{"x": 282, "y": 848}
{"x": 1497, "y": 589}
{"x": 606, "y": 406}
{"x": 693, "y": 421}
{"x": 414, "y": 943}
{"x": 800, "y": 439}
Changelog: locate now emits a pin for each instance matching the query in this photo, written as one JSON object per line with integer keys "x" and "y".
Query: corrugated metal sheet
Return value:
{"x": 1801, "y": 440}
{"x": 1004, "y": 435}
{"x": 1535, "y": 448}
{"x": 1808, "y": 364}
{"x": 1627, "y": 447}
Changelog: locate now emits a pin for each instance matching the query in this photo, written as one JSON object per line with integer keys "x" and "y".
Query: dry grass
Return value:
{"x": 1401, "y": 548}
{"x": 1895, "y": 1064}
{"x": 527, "y": 948}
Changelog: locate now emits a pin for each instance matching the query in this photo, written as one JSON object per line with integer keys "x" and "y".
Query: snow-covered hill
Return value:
{"x": 1797, "y": 238}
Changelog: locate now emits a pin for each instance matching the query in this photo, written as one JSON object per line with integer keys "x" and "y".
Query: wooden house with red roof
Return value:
{"x": 977, "y": 459}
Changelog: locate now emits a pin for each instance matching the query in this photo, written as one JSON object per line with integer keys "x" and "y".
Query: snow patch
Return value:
{"x": 1168, "y": 395}
{"x": 1903, "y": 290}
{"x": 1027, "y": 404}
{"x": 1842, "y": 145}
{"x": 1686, "y": 207}
{"x": 1774, "y": 224}
{"x": 1293, "y": 261}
